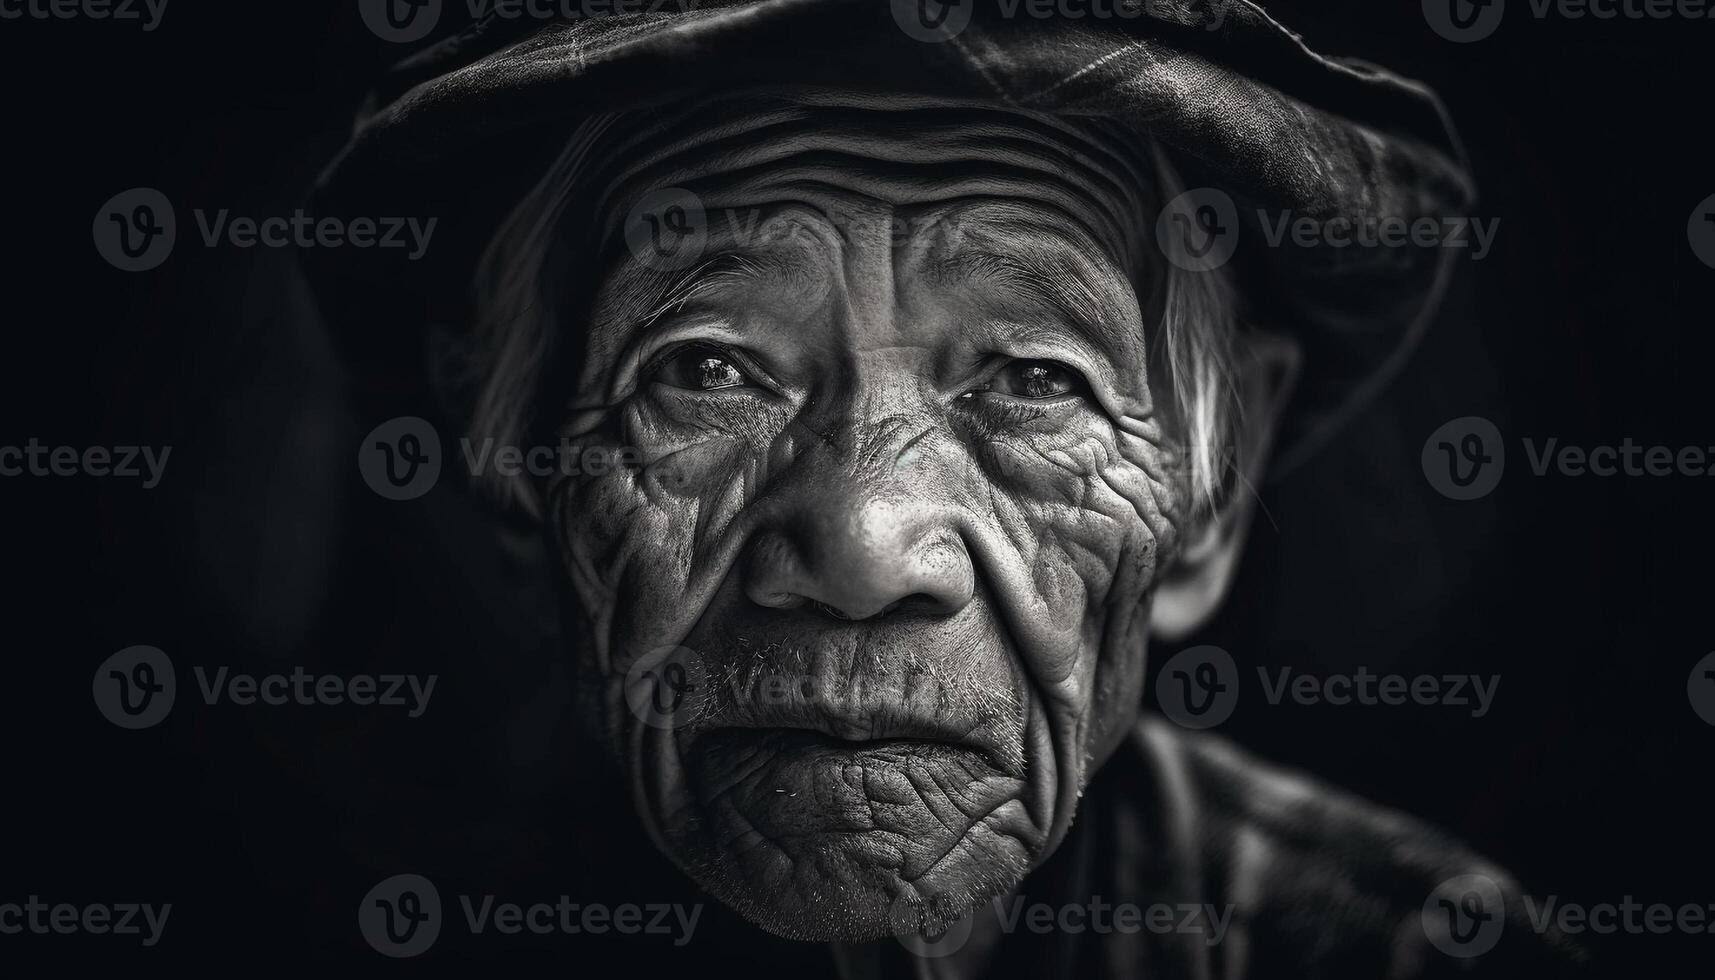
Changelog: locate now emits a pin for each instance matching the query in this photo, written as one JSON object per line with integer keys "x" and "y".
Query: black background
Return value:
{"x": 262, "y": 549}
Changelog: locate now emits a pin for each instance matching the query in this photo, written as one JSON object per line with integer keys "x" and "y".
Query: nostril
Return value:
{"x": 836, "y": 612}
{"x": 778, "y": 600}
{"x": 828, "y": 610}
{"x": 922, "y": 602}
{"x": 917, "y": 602}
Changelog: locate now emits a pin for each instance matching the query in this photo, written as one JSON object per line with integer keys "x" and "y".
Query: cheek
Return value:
{"x": 1082, "y": 513}
{"x": 1087, "y": 518}
{"x": 645, "y": 545}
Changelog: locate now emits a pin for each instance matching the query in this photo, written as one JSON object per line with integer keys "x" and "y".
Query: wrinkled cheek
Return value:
{"x": 1086, "y": 525}
{"x": 628, "y": 561}
{"x": 647, "y": 546}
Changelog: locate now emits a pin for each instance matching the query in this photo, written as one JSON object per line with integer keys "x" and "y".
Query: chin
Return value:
{"x": 851, "y": 890}
{"x": 813, "y": 837}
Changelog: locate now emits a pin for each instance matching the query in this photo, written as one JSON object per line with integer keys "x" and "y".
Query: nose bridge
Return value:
{"x": 871, "y": 431}
{"x": 863, "y": 526}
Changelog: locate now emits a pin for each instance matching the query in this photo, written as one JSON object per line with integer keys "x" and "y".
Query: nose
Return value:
{"x": 853, "y": 553}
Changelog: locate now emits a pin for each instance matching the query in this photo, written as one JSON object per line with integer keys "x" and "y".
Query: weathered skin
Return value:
{"x": 911, "y": 464}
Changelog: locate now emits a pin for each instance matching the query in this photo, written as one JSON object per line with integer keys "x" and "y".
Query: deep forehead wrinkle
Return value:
{"x": 1034, "y": 203}
{"x": 1021, "y": 258}
{"x": 728, "y": 148}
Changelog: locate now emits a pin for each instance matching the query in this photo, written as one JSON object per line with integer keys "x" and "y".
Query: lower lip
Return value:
{"x": 793, "y": 760}
{"x": 793, "y": 782}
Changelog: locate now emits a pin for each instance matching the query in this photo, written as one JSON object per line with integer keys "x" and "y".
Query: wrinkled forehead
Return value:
{"x": 896, "y": 164}
{"x": 1031, "y": 211}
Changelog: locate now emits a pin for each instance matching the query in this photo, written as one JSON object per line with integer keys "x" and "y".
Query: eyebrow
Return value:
{"x": 1048, "y": 272}
{"x": 642, "y": 296}
{"x": 1027, "y": 262}
{"x": 724, "y": 268}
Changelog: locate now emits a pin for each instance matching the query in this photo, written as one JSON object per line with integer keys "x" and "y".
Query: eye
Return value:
{"x": 700, "y": 368}
{"x": 1038, "y": 380}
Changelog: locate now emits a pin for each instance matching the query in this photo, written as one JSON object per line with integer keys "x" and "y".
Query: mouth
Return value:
{"x": 821, "y": 773}
{"x": 874, "y": 731}
{"x": 811, "y": 743}
{"x": 781, "y": 784}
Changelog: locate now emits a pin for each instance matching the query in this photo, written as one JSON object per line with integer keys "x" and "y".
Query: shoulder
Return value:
{"x": 1328, "y": 881}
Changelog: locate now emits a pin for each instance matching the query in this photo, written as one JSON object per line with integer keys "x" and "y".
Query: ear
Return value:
{"x": 1191, "y": 589}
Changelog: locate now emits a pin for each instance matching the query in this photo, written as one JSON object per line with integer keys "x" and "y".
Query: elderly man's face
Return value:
{"x": 904, "y": 500}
